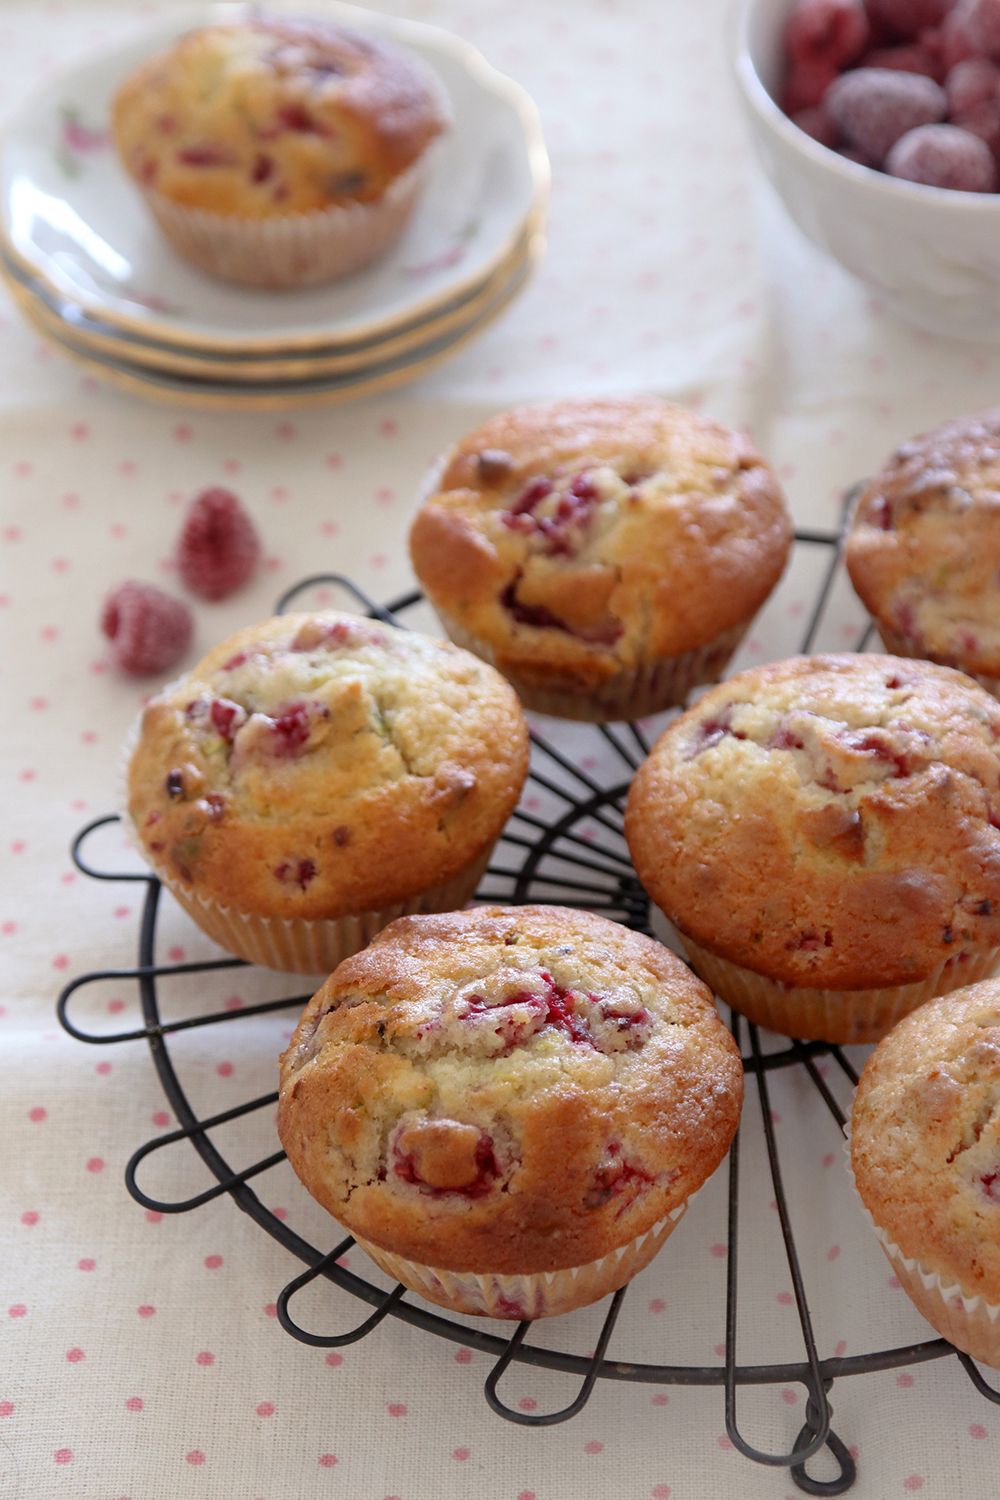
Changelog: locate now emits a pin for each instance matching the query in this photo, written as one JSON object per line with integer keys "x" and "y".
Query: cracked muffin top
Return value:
{"x": 274, "y": 116}
{"x": 597, "y": 535}
{"x": 925, "y": 1137}
{"x": 508, "y": 1089}
{"x": 831, "y": 821}
{"x": 924, "y": 547}
{"x": 323, "y": 764}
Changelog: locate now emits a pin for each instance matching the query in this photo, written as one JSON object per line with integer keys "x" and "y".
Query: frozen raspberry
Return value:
{"x": 944, "y": 156}
{"x": 981, "y": 19}
{"x": 817, "y": 123}
{"x": 982, "y": 120}
{"x": 907, "y": 18}
{"x": 833, "y": 31}
{"x": 908, "y": 57}
{"x": 873, "y": 107}
{"x": 851, "y": 153}
{"x": 954, "y": 40}
{"x": 149, "y": 630}
{"x": 972, "y": 82}
{"x": 218, "y": 547}
{"x": 806, "y": 85}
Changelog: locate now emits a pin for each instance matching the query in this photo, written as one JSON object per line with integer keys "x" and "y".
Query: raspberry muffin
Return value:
{"x": 279, "y": 152}
{"x": 924, "y": 548}
{"x": 825, "y": 834}
{"x": 318, "y": 775}
{"x": 509, "y": 1107}
{"x": 925, "y": 1151}
{"x": 605, "y": 555}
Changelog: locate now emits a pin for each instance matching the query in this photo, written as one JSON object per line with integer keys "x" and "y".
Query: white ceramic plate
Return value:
{"x": 234, "y": 395}
{"x": 70, "y": 216}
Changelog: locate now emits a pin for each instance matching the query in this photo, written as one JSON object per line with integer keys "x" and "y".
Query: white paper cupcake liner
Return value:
{"x": 542, "y": 1295}
{"x": 971, "y": 1323}
{"x": 632, "y": 694}
{"x": 898, "y": 645}
{"x": 315, "y": 946}
{"x": 829, "y": 1015}
{"x": 305, "y": 249}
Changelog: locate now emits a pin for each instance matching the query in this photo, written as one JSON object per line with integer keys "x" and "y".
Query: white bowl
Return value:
{"x": 932, "y": 254}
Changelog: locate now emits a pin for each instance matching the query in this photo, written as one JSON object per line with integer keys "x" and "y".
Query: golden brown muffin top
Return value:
{"x": 508, "y": 1089}
{"x": 275, "y": 116}
{"x": 831, "y": 821}
{"x": 925, "y": 1137}
{"x": 599, "y": 534}
{"x": 924, "y": 547}
{"x": 322, "y": 764}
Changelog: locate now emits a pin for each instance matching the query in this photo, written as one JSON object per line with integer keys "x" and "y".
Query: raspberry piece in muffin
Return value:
{"x": 605, "y": 555}
{"x": 824, "y": 834}
{"x": 509, "y": 1107}
{"x": 923, "y": 551}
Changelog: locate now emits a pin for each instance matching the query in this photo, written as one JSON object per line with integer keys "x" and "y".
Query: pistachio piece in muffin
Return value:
{"x": 825, "y": 834}
{"x": 316, "y": 776}
{"x": 925, "y": 1152}
{"x": 923, "y": 551}
{"x": 606, "y": 555}
{"x": 509, "y": 1108}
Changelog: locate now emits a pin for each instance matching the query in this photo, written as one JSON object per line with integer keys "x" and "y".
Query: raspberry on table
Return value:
{"x": 218, "y": 549}
{"x": 149, "y": 630}
{"x": 833, "y": 31}
{"x": 944, "y": 156}
{"x": 873, "y": 107}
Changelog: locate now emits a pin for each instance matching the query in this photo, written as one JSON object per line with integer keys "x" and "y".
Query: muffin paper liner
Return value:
{"x": 315, "y": 946}
{"x": 304, "y": 249}
{"x": 970, "y": 1323}
{"x": 633, "y": 694}
{"x": 542, "y": 1295}
{"x": 898, "y": 645}
{"x": 825, "y": 1014}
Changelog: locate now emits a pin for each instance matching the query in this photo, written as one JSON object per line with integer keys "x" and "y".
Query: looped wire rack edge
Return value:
{"x": 543, "y": 859}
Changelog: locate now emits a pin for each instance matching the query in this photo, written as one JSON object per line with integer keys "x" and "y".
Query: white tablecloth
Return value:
{"x": 140, "y": 1356}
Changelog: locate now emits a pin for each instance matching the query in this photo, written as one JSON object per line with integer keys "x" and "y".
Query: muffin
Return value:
{"x": 509, "y": 1107}
{"x": 279, "y": 152}
{"x": 925, "y": 1151}
{"x": 923, "y": 551}
{"x": 824, "y": 833}
{"x": 318, "y": 775}
{"x": 605, "y": 555}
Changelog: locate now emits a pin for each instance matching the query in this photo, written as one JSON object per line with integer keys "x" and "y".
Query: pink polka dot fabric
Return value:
{"x": 141, "y": 1353}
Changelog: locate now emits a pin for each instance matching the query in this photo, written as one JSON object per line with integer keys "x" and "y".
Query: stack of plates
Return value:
{"x": 91, "y": 272}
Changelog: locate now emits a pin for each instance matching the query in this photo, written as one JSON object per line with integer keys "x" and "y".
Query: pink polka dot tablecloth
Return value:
{"x": 141, "y": 1356}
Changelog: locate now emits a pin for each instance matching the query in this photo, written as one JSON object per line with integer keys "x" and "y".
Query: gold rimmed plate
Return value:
{"x": 89, "y": 335}
{"x": 71, "y": 220}
{"x": 209, "y": 394}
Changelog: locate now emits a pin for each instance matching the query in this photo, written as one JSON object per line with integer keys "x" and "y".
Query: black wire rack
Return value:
{"x": 550, "y": 860}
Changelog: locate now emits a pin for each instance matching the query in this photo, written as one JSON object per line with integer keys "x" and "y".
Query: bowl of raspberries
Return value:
{"x": 878, "y": 121}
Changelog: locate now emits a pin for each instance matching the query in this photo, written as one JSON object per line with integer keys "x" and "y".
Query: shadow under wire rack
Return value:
{"x": 538, "y": 859}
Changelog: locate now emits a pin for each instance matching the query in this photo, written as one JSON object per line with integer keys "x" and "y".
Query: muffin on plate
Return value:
{"x": 606, "y": 555}
{"x": 279, "y": 152}
{"x": 925, "y": 1153}
{"x": 320, "y": 774}
{"x": 923, "y": 551}
{"x": 824, "y": 833}
{"x": 509, "y": 1107}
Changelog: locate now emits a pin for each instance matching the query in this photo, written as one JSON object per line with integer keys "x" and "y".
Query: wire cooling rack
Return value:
{"x": 549, "y": 860}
